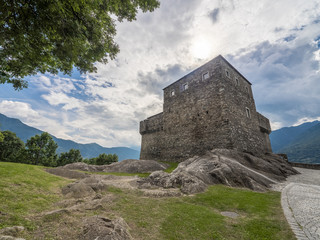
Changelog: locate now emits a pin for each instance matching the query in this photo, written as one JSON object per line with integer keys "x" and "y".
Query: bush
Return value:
{"x": 72, "y": 156}
{"x": 102, "y": 159}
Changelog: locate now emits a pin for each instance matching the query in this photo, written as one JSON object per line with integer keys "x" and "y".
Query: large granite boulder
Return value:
{"x": 86, "y": 187}
{"x": 187, "y": 183}
{"x": 223, "y": 166}
{"x": 135, "y": 166}
{"x": 84, "y": 167}
{"x": 59, "y": 171}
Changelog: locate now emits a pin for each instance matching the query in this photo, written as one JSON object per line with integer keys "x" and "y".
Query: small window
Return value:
{"x": 185, "y": 86}
{"x": 248, "y": 112}
{"x": 237, "y": 81}
{"x": 228, "y": 73}
{"x": 205, "y": 76}
{"x": 247, "y": 89}
{"x": 172, "y": 93}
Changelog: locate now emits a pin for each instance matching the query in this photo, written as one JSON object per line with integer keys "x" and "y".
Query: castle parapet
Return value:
{"x": 152, "y": 124}
{"x": 264, "y": 124}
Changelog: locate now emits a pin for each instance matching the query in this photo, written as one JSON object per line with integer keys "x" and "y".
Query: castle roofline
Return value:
{"x": 219, "y": 56}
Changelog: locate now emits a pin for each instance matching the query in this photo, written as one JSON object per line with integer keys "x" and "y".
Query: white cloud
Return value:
{"x": 305, "y": 119}
{"x": 273, "y": 43}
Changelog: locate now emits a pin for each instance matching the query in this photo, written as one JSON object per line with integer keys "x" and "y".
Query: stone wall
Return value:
{"x": 211, "y": 107}
{"x": 305, "y": 165}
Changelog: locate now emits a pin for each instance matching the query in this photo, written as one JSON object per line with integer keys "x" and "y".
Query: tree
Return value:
{"x": 72, "y": 156}
{"x": 51, "y": 36}
{"x": 11, "y": 147}
{"x": 103, "y": 159}
{"x": 41, "y": 150}
{"x": 1, "y": 137}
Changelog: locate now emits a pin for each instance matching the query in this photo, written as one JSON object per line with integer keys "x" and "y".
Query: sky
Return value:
{"x": 275, "y": 44}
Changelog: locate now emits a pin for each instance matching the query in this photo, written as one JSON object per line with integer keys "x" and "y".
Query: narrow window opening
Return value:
{"x": 247, "y": 89}
{"x": 172, "y": 93}
{"x": 205, "y": 76}
{"x": 185, "y": 87}
{"x": 227, "y": 74}
{"x": 237, "y": 82}
{"x": 248, "y": 112}
{"x": 207, "y": 112}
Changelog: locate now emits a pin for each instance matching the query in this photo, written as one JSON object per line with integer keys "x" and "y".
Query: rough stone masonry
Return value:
{"x": 211, "y": 107}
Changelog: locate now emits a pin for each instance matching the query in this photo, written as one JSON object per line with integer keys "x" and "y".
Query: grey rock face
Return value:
{"x": 222, "y": 166}
{"x": 84, "y": 167}
{"x": 186, "y": 182}
{"x": 66, "y": 173}
{"x": 85, "y": 187}
{"x": 135, "y": 166}
{"x": 102, "y": 228}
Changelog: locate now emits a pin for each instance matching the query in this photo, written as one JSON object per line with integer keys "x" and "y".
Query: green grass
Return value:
{"x": 199, "y": 217}
{"x": 172, "y": 166}
{"x": 25, "y": 190}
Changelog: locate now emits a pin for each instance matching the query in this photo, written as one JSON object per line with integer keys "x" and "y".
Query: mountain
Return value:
{"x": 90, "y": 150}
{"x": 284, "y": 136}
{"x": 300, "y": 143}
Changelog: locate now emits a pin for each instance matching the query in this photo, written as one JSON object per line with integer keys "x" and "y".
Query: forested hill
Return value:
{"x": 301, "y": 143}
{"x": 91, "y": 150}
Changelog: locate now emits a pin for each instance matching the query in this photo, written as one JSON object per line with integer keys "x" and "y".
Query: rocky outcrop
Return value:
{"x": 102, "y": 228}
{"x": 187, "y": 183}
{"x": 135, "y": 166}
{"x": 59, "y": 171}
{"x": 85, "y": 187}
{"x": 125, "y": 166}
{"x": 84, "y": 167}
{"x": 223, "y": 166}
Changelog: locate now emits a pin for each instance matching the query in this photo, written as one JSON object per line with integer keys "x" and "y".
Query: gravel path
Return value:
{"x": 300, "y": 200}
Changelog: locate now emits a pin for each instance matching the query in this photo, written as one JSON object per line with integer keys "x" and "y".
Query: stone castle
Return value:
{"x": 211, "y": 107}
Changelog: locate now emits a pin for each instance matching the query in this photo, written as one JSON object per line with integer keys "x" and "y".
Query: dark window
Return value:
{"x": 248, "y": 112}
{"x": 227, "y": 73}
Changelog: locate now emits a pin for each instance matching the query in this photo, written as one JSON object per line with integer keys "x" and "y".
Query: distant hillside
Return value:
{"x": 24, "y": 132}
{"x": 284, "y": 136}
{"x": 300, "y": 143}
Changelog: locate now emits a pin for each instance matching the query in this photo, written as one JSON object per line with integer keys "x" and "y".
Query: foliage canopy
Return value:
{"x": 11, "y": 148}
{"x": 72, "y": 156}
{"x": 57, "y": 35}
{"x": 42, "y": 150}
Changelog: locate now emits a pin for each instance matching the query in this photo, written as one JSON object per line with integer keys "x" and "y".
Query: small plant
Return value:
{"x": 172, "y": 166}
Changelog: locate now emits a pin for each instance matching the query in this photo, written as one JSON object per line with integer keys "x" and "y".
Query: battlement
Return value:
{"x": 152, "y": 124}
{"x": 264, "y": 123}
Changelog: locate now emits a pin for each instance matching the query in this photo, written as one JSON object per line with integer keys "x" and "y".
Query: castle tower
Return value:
{"x": 211, "y": 107}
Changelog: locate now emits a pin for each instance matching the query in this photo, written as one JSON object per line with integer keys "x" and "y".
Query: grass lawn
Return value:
{"x": 26, "y": 190}
{"x": 199, "y": 216}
